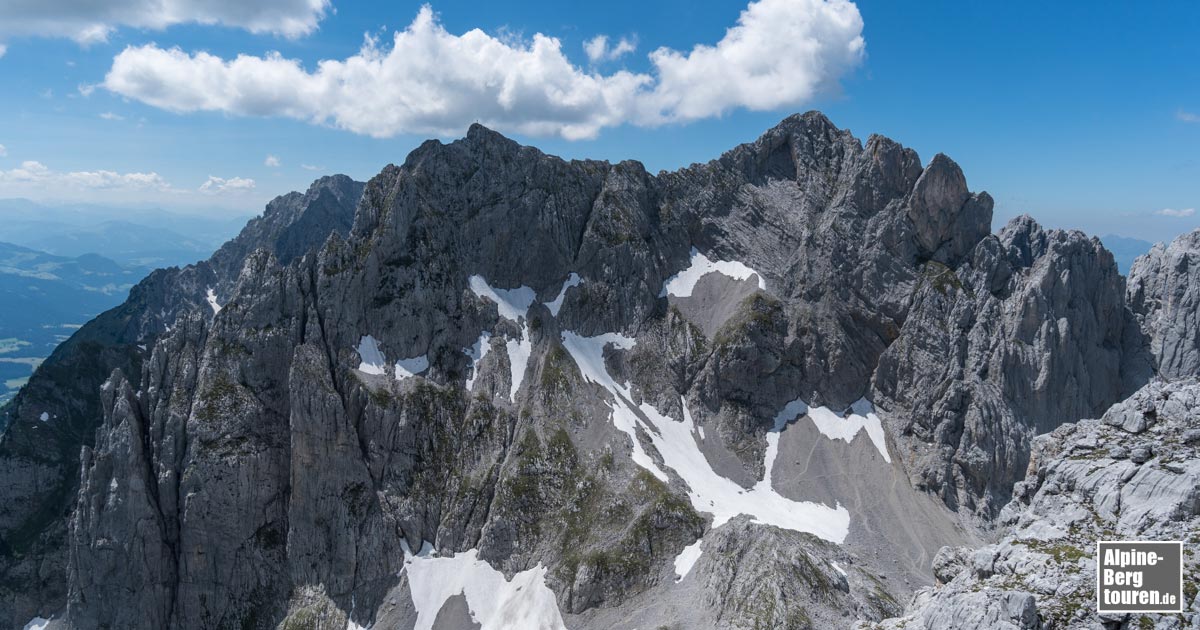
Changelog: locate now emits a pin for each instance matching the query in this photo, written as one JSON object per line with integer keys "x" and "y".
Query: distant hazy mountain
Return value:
{"x": 131, "y": 237}
{"x": 44, "y": 298}
{"x": 1125, "y": 249}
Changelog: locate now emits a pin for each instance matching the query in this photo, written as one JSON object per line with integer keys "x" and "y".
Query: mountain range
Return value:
{"x": 142, "y": 238}
{"x": 803, "y": 385}
{"x": 45, "y": 298}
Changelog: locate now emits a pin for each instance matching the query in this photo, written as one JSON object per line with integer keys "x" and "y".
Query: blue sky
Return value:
{"x": 1085, "y": 115}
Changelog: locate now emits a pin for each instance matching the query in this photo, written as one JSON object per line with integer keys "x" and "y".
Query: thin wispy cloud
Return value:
{"x": 3, "y": 151}
{"x": 33, "y": 173}
{"x": 598, "y": 50}
{"x": 1187, "y": 117}
{"x": 88, "y": 22}
{"x": 310, "y": 167}
{"x": 111, "y": 116}
{"x": 219, "y": 185}
{"x": 779, "y": 54}
{"x": 1178, "y": 214}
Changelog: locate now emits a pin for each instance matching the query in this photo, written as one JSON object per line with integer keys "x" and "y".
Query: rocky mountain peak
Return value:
{"x": 948, "y": 219}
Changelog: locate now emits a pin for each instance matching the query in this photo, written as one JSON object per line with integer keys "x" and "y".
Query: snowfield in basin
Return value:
{"x": 371, "y": 360}
{"x": 495, "y": 603}
{"x": 411, "y": 367}
{"x": 682, "y": 283}
{"x": 676, "y": 442}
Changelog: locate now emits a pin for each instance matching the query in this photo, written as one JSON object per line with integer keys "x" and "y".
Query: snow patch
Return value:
{"x": 212, "y": 301}
{"x": 676, "y": 442}
{"x": 45, "y": 417}
{"x": 495, "y": 603}
{"x": 572, "y": 280}
{"x": 411, "y": 367}
{"x": 838, "y": 568}
{"x": 477, "y": 352}
{"x": 513, "y": 304}
{"x": 682, "y": 283}
{"x": 687, "y": 559}
{"x": 37, "y": 623}
{"x": 372, "y": 360}
{"x": 835, "y": 426}
{"x": 518, "y": 360}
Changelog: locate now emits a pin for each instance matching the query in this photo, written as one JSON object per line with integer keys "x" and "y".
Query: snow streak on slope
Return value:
{"x": 37, "y": 623}
{"x": 588, "y": 353}
{"x": 682, "y": 283}
{"x": 518, "y": 360}
{"x": 212, "y": 301}
{"x": 372, "y": 360}
{"x": 836, "y": 426}
{"x": 482, "y": 346}
{"x": 572, "y": 280}
{"x": 687, "y": 559}
{"x": 495, "y": 603}
{"x": 512, "y": 303}
{"x": 676, "y": 443}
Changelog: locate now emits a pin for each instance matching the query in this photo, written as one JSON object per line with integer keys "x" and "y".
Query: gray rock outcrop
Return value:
{"x": 1081, "y": 488}
{"x": 1031, "y": 329}
{"x": 1164, "y": 291}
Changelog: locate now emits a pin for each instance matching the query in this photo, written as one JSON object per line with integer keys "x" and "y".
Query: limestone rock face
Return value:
{"x": 1082, "y": 487}
{"x": 39, "y": 461}
{"x": 597, "y": 396}
{"x": 948, "y": 219}
{"x": 1164, "y": 291}
{"x": 1031, "y": 329}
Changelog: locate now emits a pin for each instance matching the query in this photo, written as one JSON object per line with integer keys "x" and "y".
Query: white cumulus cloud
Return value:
{"x": 89, "y": 21}
{"x": 598, "y": 50}
{"x": 271, "y": 161}
{"x": 1178, "y": 214}
{"x": 219, "y": 185}
{"x": 780, "y": 53}
{"x": 37, "y": 175}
